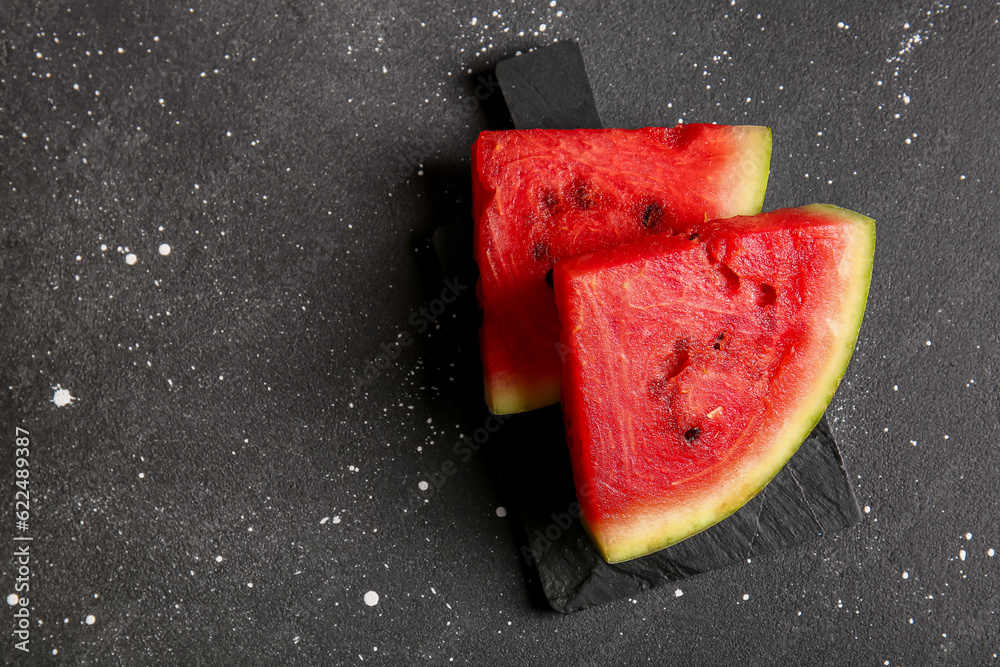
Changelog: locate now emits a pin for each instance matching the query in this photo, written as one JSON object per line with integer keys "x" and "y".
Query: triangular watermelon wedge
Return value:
{"x": 543, "y": 195}
{"x": 696, "y": 364}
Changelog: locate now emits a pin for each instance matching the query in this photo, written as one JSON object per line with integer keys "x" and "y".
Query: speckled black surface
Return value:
{"x": 262, "y": 403}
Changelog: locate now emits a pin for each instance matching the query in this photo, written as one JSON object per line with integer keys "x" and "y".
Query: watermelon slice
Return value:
{"x": 697, "y": 363}
{"x": 542, "y": 195}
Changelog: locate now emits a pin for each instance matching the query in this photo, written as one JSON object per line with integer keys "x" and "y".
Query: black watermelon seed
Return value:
{"x": 584, "y": 196}
{"x": 550, "y": 201}
{"x": 692, "y": 434}
{"x": 548, "y": 279}
{"x": 652, "y": 216}
{"x": 693, "y": 237}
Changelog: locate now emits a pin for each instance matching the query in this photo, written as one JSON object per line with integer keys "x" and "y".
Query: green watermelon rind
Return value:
{"x": 750, "y": 195}
{"x": 657, "y": 531}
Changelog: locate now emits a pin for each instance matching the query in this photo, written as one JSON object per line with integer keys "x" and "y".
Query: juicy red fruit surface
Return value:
{"x": 541, "y": 196}
{"x": 684, "y": 349}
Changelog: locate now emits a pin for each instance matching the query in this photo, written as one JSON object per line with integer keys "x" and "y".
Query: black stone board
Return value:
{"x": 548, "y": 88}
{"x": 808, "y": 498}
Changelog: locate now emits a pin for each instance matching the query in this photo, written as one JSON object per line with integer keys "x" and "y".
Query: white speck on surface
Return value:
{"x": 905, "y": 98}
{"x": 422, "y": 485}
{"x": 324, "y": 520}
{"x": 249, "y": 584}
{"x": 906, "y": 575}
{"x": 131, "y": 259}
{"x": 678, "y": 593}
{"x": 746, "y": 596}
{"x": 968, "y": 536}
{"x": 336, "y": 519}
{"x": 90, "y": 620}
{"x": 501, "y": 511}
{"x": 164, "y": 249}
{"x": 61, "y": 397}
{"x": 218, "y": 559}
{"x": 13, "y": 599}
{"x": 371, "y": 598}
{"x": 142, "y": 475}
{"x": 868, "y": 509}
{"x": 928, "y": 343}
{"x": 961, "y": 554}
{"x": 990, "y": 553}
{"x": 542, "y": 27}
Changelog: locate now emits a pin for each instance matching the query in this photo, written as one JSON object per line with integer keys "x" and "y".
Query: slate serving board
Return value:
{"x": 548, "y": 88}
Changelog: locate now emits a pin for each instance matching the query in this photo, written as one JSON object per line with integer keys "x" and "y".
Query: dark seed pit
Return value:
{"x": 692, "y": 434}
{"x": 652, "y": 216}
{"x": 768, "y": 296}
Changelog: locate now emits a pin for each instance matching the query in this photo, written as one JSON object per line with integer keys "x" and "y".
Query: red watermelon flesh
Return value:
{"x": 543, "y": 195}
{"x": 697, "y": 364}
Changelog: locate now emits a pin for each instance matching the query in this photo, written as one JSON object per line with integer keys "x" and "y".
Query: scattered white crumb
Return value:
{"x": 678, "y": 593}
{"x": 906, "y": 575}
{"x": 422, "y": 485}
{"x": 131, "y": 259}
{"x": 61, "y": 397}
{"x": 501, "y": 511}
{"x": 164, "y": 249}
{"x": 90, "y": 620}
{"x": 371, "y": 598}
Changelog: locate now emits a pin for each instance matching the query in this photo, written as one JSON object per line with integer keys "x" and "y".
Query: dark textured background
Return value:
{"x": 221, "y": 402}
